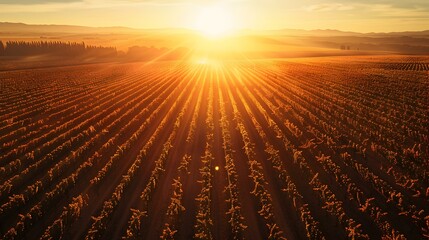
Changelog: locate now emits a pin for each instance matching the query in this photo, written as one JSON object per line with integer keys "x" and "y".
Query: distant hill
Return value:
{"x": 12, "y": 28}
{"x": 8, "y": 27}
{"x": 282, "y": 42}
{"x": 300, "y": 32}
{"x": 403, "y": 34}
{"x": 338, "y": 33}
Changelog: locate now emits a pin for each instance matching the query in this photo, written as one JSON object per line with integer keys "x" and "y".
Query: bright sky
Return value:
{"x": 350, "y": 15}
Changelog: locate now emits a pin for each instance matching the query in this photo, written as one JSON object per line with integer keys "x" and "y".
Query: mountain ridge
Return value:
{"x": 14, "y": 27}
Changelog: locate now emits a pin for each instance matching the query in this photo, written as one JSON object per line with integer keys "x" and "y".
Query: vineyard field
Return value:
{"x": 305, "y": 148}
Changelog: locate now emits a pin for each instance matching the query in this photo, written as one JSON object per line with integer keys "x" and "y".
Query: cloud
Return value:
{"x": 41, "y": 6}
{"x": 11, "y": 6}
{"x": 38, "y": 2}
{"x": 376, "y": 8}
{"x": 391, "y": 11}
{"x": 325, "y": 7}
{"x": 34, "y": 6}
{"x": 387, "y": 4}
{"x": 34, "y": 2}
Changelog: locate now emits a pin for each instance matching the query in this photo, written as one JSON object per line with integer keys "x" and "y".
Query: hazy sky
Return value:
{"x": 356, "y": 15}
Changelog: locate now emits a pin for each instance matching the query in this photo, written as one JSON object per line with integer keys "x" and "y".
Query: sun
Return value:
{"x": 215, "y": 21}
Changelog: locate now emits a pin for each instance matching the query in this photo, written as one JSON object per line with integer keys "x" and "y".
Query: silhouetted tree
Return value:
{"x": 57, "y": 48}
{"x": 1, "y": 48}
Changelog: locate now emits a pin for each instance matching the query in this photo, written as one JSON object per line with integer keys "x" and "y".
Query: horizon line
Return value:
{"x": 194, "y": 30}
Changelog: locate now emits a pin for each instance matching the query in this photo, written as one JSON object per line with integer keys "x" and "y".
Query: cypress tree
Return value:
{"x": 1, "y": 49}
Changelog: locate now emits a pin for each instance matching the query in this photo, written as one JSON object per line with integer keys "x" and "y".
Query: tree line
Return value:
{"x": 74, "y": 49}
{"x": 55, "y": 48}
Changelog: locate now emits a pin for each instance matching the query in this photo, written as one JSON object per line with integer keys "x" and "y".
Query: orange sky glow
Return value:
{"x": 359, "y": 15}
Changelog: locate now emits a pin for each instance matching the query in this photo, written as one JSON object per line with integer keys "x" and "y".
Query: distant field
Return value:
{"x": 332, "y": 147}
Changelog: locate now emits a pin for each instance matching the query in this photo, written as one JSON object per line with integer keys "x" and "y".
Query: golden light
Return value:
{"x": 217, "y": 168}
{"x": 202, "y": 61}
{"x": 215, "y": 21}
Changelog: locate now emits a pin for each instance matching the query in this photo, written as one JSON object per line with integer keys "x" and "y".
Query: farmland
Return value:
{"x": 311, "y": 148}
